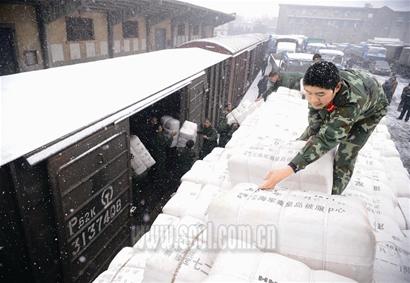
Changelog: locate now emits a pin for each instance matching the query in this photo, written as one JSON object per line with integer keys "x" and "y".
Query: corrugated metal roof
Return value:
{"x": 40, "y": 107}
{"x": 235, "y": 43}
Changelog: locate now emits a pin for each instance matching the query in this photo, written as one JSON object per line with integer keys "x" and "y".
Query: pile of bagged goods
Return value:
{"x": 219, "y": 227}
{"x": 141, "y": 159}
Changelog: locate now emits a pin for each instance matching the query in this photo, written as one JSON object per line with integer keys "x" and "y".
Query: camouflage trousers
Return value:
{"x": 348, "y": 150}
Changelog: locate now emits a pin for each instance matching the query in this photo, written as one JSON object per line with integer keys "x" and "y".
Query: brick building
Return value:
{"x": 37, "y": 34}
{"x": 343, "y": 24}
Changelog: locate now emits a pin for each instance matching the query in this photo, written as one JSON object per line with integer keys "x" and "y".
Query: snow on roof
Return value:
{"x": 300, "y": 56}
{"x": 331, "y": 52}
{"x": 316, "y": 44}
{"x": 234, "y": 43}
{"x": 40, "y": 107}
{"x": 386, "y": 40}
{"x": 377, "y": 48}
{"x": 286, "y": 46}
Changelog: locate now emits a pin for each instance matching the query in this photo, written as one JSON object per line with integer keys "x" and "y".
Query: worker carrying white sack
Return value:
{"x": 344, "y": 109}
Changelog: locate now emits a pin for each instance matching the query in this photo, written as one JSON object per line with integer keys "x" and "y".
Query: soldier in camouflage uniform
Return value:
{"x": 344, "y": 109}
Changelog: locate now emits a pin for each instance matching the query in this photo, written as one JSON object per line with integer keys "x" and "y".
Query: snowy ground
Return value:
{"x": 399, "y": 130}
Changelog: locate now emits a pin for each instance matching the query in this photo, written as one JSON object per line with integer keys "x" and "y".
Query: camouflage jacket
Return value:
{"x": 360, "y": 97}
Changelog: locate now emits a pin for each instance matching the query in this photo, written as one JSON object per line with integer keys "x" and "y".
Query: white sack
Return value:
{"x": 404, "y": 204}
{"x": 136, "y": 162}
{"x": 398, "y": 177}
{"x": 378, "y": 205}
{"x": 186, "y": 193}
{"x": 105, "y": 277}
{"x": 191, "y": 200}
{"x": 129, "y": 275}
{"x": 258, "y": 159}
{"x": 392, "y": 263}
{"x": 215, "y": 155}
{"x": 372, "y": 185}
{"x": 252, "y": 265}
{"x": 140, "y": 151}
{"x": 164, "y": 265}
{"x": 203, "y": 172}
{"x": 123, "y": 275}
{"x": 187, "y": 132}
{"x": 239, "y": 114}
{"x": 308, "y": 227}
{"x": 121, "y": 258}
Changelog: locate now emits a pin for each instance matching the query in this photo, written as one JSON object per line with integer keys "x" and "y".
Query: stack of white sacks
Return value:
{"x": 141, "y": 160}
{"x": 239, "y": 114}
{"x": 230, "y": 231}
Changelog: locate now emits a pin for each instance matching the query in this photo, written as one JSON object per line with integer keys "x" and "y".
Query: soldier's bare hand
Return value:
{"x": 275, "y": 176}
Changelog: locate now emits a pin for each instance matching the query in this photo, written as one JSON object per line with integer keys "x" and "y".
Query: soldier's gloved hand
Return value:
{"x": 275, "y": 176}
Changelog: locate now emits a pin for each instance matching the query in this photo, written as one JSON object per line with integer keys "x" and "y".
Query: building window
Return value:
{"x": 181, "y": 29}
{"x": 79, "y": 29}
{"x": 30, "y": 57}
{"x": 130, "y": 29}
{"x": 196, "y": 30}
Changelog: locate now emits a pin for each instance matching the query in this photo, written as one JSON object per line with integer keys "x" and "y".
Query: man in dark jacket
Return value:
{"x": 223, "y": 127}
{"x": 149, "y": 132}
{"x": 209, "y": 136}
{"x": 262, "y": 85}
{"x": 285, "y": 79}
{"x": 344, "y": 109}
{"x": 403, "y": 94}
{"x": 160, "y": 143}
{"x": 264, "y": 65}
{"x": 185, "y": 158}
{"x": 405, "y": 101}
{"x": 232, "y": 129}
{"x": 389, "y": 87}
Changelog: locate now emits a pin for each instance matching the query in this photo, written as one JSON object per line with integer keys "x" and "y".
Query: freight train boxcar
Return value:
{"x": 65, "y": 157}
{"x": 247, "y": 53}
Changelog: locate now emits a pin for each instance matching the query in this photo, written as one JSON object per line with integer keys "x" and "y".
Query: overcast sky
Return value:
{"x": 260, "y": 8}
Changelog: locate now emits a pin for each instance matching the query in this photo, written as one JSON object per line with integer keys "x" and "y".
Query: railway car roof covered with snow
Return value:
{"x": 41, "y": 108}
{"x": 230, "y": 44}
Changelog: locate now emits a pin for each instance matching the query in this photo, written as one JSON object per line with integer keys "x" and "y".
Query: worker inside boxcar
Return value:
{"x": 149, "y": 132}
{"x": 344, "y": 109}
{"x": 186, "y": 157}
{"x": 160, "y": 143}
{"x": 223, "y": 127}
{"x": 284, "y": 79}
{"x": 210, "y": 136}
